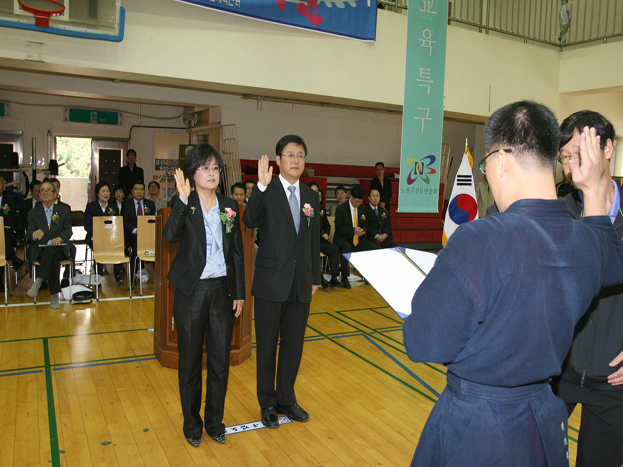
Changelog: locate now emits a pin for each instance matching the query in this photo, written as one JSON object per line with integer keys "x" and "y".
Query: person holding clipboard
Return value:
{"x": 49, "y": 230}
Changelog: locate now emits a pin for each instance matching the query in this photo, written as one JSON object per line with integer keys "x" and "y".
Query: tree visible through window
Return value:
{"x": 75, "y": 153}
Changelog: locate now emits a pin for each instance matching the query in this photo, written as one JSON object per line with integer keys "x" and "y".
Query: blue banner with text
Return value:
{"x": 349, "y": 18}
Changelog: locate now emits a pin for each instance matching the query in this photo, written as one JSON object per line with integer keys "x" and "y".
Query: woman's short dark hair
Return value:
{"x": 198, "y": 156}
{"x": 101, "y": 185}
{"x": 119, "y": 186}
{"x": 153, "y": 182}
{"x": 313, "y": 183}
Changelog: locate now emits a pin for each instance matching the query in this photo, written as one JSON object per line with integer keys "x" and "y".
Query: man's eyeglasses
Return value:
{"x": 45, "y": 191}
{"x": 483, "y": 163}
{"x": 290, "y": 156}
{"x": 210, "y": 170}
{"x": 564, "y": 159}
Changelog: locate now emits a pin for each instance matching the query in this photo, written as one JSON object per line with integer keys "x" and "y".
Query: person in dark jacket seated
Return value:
{"x": 379, "y": 225}
{"x": 208, "y": 275}
{"x": 132, "y": 208}
{"x": 102, "y": 206}
{"x": 49, "y": 231}
{"x": 326, "y": 247}
{"x": 25, "y": 208}
{"x": 8, "y": 210}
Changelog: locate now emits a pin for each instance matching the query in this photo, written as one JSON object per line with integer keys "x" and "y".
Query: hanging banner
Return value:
{"x": 350, "y": 18}
{"x": 422, "y": 120}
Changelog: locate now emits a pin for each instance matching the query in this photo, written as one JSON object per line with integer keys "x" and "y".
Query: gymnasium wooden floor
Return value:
{"x": 80, "y": 386}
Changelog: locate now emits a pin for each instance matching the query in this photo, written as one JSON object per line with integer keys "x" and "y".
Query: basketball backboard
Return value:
{"x": 88, "y": 19}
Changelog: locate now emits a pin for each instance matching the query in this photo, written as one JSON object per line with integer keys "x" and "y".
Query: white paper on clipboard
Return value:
{"x": 392, "y": 275}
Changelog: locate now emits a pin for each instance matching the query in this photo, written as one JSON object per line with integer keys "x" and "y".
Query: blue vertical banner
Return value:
{"x": 349, "y": 18}
{"x": 422, "y": 120}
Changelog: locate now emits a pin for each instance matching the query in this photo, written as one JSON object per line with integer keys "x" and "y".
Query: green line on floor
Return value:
{"x": 56, "y": 460}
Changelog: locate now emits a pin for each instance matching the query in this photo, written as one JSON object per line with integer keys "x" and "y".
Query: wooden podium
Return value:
{"x": 165, "y": 334}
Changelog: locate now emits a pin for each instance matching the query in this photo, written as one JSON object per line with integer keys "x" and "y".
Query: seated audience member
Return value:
{"x": 248, "y": 186}
{"x": 49, "y": 223}
{"x": 238, "y": 193}
{"x": 102, "y": 206}
{"x": 340, "y": 195}
{"x": 26, "y": 206}
{"x": 326, "y": 247}
{"x": 132, "y": 208}
{"x": 154, "y": 195}
{"x": 8, "y": 210}
{"x": 382, "y": 184}
{"x": 379, "y": 225}
{"x": 119, "y": 197}
{"x": 351, "y": 223}
{"x": 72, "y": 247}
{"x": 566, "y": 186}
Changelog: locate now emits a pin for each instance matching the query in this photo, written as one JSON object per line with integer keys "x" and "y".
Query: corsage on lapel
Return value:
{"x": 146, "y": 211}
{"x": 227, "y": 218}
{"x": 309, "y": 212}
{"x": 6, "y": 209}
{"x": 56, "y": 218}
{"x": 111, "y": 212}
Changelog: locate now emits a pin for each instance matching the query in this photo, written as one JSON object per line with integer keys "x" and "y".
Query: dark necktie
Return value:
{"x": 139, "y": 209}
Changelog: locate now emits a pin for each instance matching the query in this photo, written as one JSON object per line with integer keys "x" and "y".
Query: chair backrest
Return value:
{"x": 331, "y": 220}
{"x": 108, "y": 234}
{"x": 2, "y": 252}
{"x": 146, "y": 233}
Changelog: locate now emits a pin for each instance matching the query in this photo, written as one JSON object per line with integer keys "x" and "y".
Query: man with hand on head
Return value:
{"x": 287, "y": 274}
{"x": 500, "y": 305}
{"x": 592, "y": 374}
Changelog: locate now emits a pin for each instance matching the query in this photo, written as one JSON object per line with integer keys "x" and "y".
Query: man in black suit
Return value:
{"x": 26, "y": 206}
{"x": 351, "y": 223}
{"x": 287, "y": 274}
{"x": 137, "y": 206}
{"x": 130, "y": 173}
{"x": 72, "y": 247}
{"x": 382, "y": 184}
{"x": 378, "y": 221}
{"x": 8, "y": 210}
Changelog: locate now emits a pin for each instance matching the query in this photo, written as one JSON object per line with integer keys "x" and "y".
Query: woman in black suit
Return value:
{"x": 208, "y": 275}
{"x": 102, "y": 206}
{"x": 119, "y": 194}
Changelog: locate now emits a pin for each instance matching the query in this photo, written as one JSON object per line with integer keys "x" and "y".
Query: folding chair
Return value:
{"x": 3, "y": 262}
{"x": 145, "y": 244}
{"x": 108, "y": 244}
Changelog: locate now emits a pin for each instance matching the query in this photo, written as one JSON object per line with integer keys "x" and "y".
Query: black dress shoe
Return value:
{"x": 219, "y": 438}
{"x": 119, "y": 279}
{"x": 294, "y": 412}
{"x": 270, "y": 419}
{"x": 64, "y": 283}
{"x": 334, "y": 282}
{"x": 194, "y": 442}
{"x": 346, "y": 284}
{"x": 324, "y": 282}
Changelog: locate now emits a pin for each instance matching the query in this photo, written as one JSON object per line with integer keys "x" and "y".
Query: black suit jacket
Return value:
{"x": 22, "y": 221}
{"x": 94, "y": 209}
{"x": 325, "y": 225}
{"x": 128, "y": 212}
{"x": 128, "y": 177}
{"x": 378, "y": 225}
{"x": 283, "y": 255}
{"x": 61, "y": 227}
{"x": 344, "y": 229}
{"x": 185, "y": 226}
{"x": 8, "y": 210}
{"x": 385, "y": 190}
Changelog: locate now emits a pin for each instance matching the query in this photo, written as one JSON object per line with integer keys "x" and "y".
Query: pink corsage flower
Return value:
{"x": 227, "y": 218}
{"x": 309, "y": 212}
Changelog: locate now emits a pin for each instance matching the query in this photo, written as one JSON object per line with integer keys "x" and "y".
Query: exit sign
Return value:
{"x": 101, "y": 117}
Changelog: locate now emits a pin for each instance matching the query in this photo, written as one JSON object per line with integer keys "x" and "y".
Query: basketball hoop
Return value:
{"x": 42, "y": 10}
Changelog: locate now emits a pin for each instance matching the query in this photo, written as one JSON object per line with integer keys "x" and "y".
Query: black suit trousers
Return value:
{"x": 333, "y": 255}
{"x": 206, "y": 316}
{"x": 288, "y": 321}
{"x": 348, "y": 247}
{"x": 50, "y": 266}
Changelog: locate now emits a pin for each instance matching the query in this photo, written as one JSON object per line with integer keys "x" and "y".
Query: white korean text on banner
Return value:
{"x": 350, "y": 18}
{"x": 422, "y": 120}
